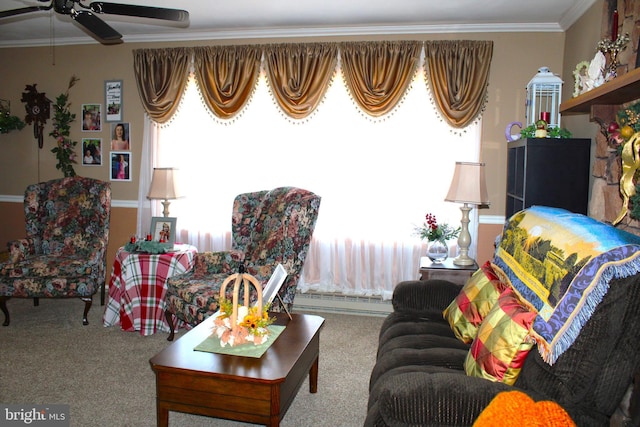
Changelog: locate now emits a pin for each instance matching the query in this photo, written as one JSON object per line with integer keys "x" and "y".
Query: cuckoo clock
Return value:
{"x": 38, "y": 110}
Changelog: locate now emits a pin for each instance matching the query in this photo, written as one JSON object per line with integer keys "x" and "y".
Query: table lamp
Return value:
{"x": 163, "y": 187}
{"x": 468, "y": 186}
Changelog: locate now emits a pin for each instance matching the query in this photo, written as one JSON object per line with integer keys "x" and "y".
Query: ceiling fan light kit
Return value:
{"x": 86, "y": 15}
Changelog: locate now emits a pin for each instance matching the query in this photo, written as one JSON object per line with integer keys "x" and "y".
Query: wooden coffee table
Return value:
{"x": 238, "y": 388}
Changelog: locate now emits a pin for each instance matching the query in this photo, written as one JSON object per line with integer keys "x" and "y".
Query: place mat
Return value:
{"x": 212, "y": 345}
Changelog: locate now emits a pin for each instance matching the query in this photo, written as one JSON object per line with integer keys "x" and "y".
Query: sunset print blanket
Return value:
{"x": 562, "y": 263}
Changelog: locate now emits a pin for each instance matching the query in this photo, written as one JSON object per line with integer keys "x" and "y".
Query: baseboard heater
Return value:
{"x": 340, "y": 303}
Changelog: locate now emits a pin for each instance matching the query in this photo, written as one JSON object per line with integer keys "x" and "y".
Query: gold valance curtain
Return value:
{"x": 161, "y": 76}
{"x": 299, "y": 75}
{"x": 458, "y": 74}
{"x": 227, "y": 76}
{"x": 378, "y": 73}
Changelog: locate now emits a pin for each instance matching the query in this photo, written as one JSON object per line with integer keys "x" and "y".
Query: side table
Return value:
{"x": 137, "y": 290}
{"x": 446, "y": 270}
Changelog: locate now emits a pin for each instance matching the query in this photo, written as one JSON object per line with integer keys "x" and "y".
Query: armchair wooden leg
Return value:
{"x": 36, "y": 302}
{"x": 3, "y": 307}
{"x": 87, "y": 306}
{"x": 169, "y": 316}
{"x": 102, "y": 294}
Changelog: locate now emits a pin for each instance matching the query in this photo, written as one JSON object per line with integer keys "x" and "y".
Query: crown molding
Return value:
{"x": 273, "y": 33}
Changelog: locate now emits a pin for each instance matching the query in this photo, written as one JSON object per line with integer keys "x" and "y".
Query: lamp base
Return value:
{"x": 463, "y": 261}
{"x": 165, "y": 211}
{"x": 464, "y": 240}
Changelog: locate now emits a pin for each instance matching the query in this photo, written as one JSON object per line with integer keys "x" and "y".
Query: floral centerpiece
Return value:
{"x": 251, "y": 324}
{"x": 437, "y": 235}
{"x": 240, "y": 323}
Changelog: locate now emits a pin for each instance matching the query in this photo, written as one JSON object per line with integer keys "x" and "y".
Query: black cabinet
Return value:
{"x": 548, "y": 172}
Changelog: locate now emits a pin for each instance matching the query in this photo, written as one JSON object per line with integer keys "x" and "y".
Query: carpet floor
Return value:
{"x": 48, "y": 357}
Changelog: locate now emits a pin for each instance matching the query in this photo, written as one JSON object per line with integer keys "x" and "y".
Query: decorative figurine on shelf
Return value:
{"x": 589, "y": 75}
{"x": 541, "y": 129}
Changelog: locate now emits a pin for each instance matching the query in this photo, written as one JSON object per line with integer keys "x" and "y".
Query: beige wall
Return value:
{"x": 580, "y": 45}
{"x": 516, "y": 58}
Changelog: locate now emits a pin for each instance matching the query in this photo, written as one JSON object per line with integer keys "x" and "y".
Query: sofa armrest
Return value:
{"x": 419, "y": 297}
{"x": 433, "y": 399}
{"x": 21, "y": 248}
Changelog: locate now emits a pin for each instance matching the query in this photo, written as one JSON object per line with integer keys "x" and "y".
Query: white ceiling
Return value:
{"x": 237, "y": 19}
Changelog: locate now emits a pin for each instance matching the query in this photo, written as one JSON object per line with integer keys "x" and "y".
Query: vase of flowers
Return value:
{"x": 437, "y": 235}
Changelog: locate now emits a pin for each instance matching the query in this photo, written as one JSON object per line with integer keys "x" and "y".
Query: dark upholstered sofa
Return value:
{"x": 419, "y": 377}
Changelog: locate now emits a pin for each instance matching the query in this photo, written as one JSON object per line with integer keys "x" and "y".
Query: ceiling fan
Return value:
{"x": 85, "y": 15}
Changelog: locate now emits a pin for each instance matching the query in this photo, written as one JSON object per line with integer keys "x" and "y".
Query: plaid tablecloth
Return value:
{"x": 138, "y": 286}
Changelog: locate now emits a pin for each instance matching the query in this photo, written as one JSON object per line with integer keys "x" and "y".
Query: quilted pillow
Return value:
{"x": 501, "y": 346}
{"x": 478, "y": 295}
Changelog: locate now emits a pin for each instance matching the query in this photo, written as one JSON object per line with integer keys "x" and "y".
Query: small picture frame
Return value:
{"x": 91, "y": 117}
{"x": 120, "y": 165}
{"x": 163, "y": 229}
{"x": 113, "y": 100}
{"x": 91, "y": 151}
{"x": 274, "y": 284}
{"x": 120, "y": 136}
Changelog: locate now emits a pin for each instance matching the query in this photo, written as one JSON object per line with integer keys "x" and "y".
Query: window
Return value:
{"x": 377, "y": 178}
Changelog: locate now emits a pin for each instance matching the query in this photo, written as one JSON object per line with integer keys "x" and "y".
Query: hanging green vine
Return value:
{"x": 7, "y": 121}
{"x": 62, "y": 119}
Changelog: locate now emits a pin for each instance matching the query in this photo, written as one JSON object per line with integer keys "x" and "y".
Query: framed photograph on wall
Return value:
{"x": 113, "y": 100}
{"x": 120, "y": 165}
{"x": 92, "y": 151}
{"x": 91, "y": 117}
{"x": 120, "y": 132}
{"x": 163, "y": 229}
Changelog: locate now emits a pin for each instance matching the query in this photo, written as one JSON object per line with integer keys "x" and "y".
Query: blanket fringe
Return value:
{"x": 606, "y": 273}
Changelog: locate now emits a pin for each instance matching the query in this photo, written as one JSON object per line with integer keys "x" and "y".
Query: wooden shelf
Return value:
{"x": 615, "y": 92}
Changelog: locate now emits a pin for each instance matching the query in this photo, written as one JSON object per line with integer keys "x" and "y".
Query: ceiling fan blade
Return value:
{"x": 96, "y": 26}
{"x": 14, "y": 12}
{"x": 140, "y": 11}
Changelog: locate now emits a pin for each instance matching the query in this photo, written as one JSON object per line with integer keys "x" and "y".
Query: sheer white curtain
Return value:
{"x": 377, "y": 178}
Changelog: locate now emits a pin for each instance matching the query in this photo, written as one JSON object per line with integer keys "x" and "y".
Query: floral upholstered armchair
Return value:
{"x": 268, "y": 228}
{"x": 64, "y": 252}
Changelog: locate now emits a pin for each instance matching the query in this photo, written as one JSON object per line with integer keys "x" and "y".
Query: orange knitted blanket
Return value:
{"x": 515, "y": 409}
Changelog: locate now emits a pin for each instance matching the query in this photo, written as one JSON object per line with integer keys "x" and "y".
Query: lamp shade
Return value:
{"x": 164, "y": 184}
{"x": 468, "y": 184}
